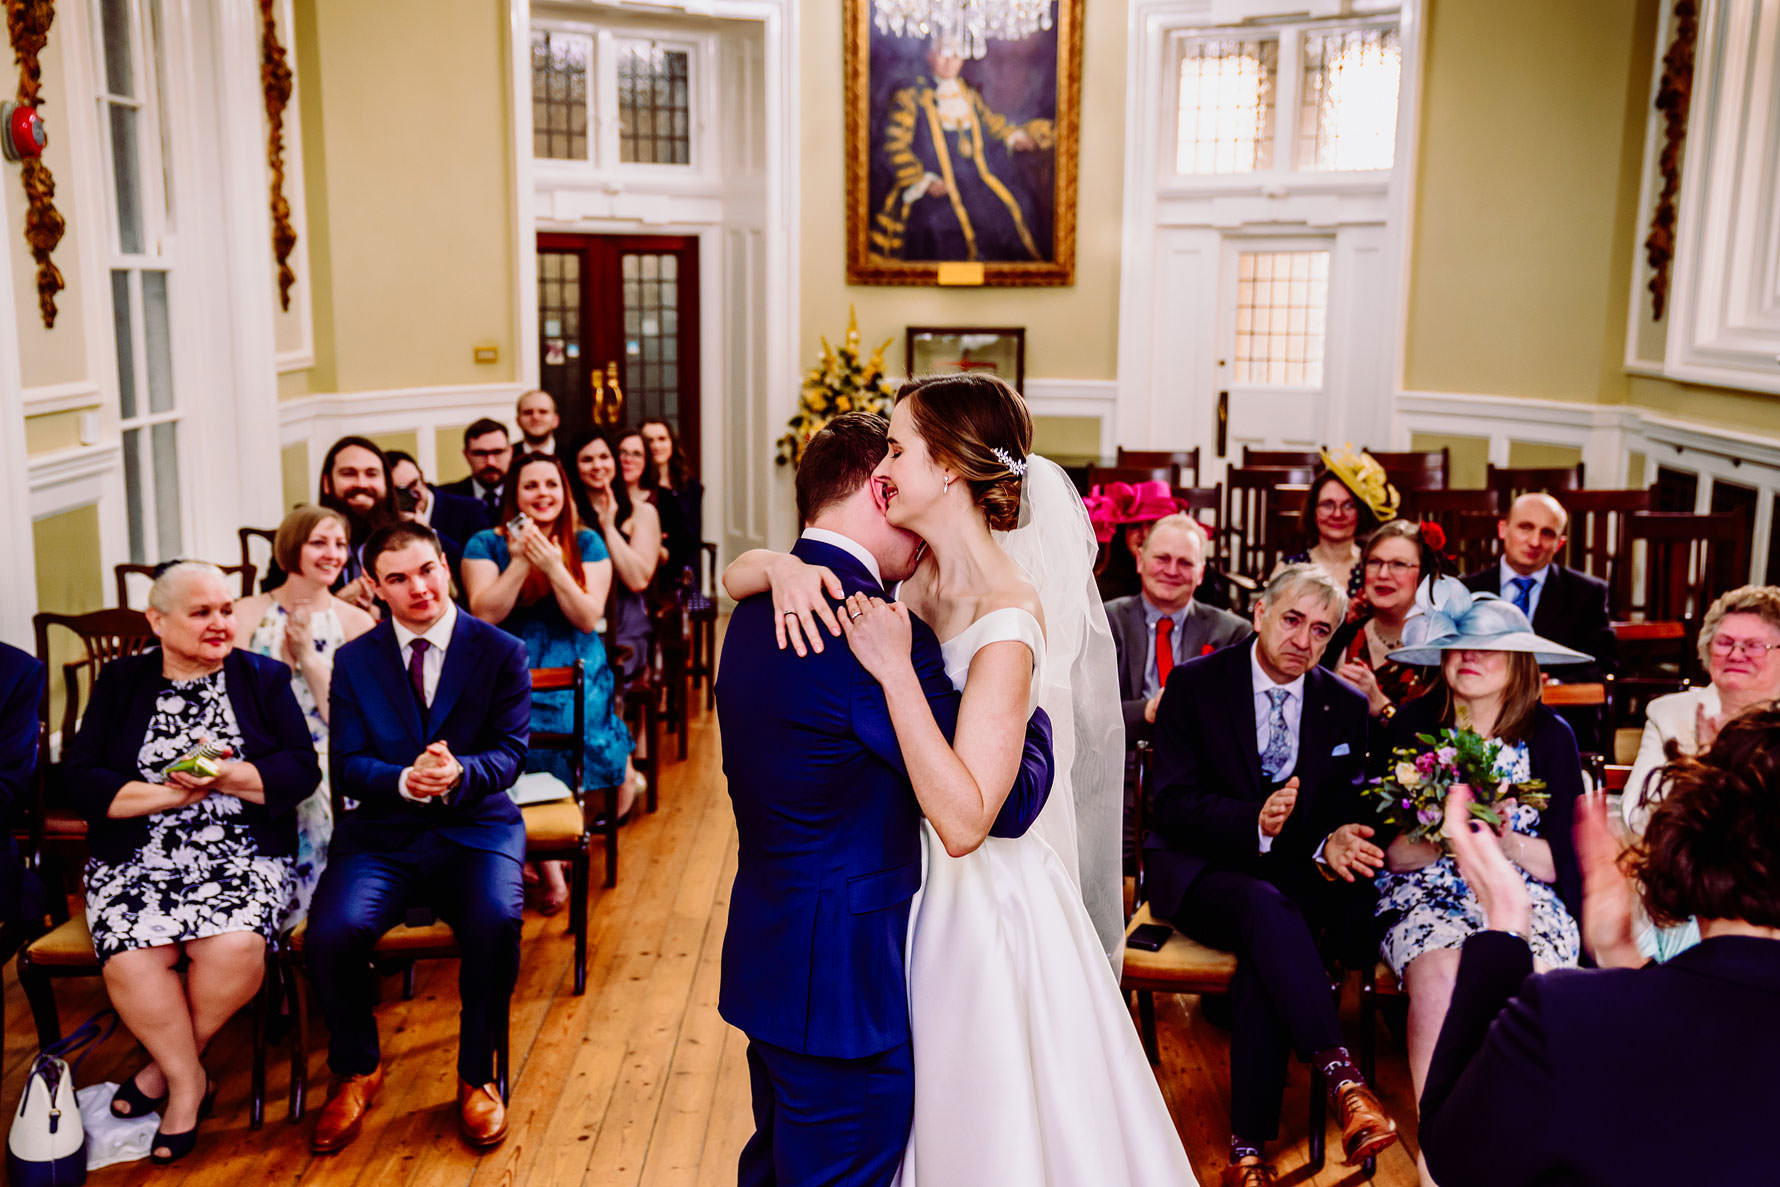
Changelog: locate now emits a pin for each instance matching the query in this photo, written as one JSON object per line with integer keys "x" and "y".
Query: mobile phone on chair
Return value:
{"x": 1149, "y": 937}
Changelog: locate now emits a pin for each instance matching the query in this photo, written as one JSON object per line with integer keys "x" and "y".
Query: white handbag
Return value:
{"x": 47, "y": 1145}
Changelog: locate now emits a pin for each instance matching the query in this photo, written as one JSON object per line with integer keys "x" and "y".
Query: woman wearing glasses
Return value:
{"x": 1394, "y": 561}
{"x": 1740, "y": 647}
{"x": 1349, "y": 497}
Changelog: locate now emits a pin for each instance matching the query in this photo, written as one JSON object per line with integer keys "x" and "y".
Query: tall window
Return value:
{"x": 1226, "y": 106}
{"x": 560, "y": 66}
{"x": 142, "y": 275}
{"x": 1348, "y": 99}
{"x": 654, "y": 106}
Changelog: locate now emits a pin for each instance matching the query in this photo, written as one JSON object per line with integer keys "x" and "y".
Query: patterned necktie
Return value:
{"x": 1279, "y": 736}
{"x": 1523, "y": 595}
{"x": 1164, "y": 651}
{"x": 417, "y": 670}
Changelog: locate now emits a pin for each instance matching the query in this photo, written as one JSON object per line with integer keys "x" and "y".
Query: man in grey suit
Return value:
{"x": 1169, "y": 566}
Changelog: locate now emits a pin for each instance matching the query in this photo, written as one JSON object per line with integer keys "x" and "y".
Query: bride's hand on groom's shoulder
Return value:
{"x": 879, "y": 633}
{"x": 800, "y": 599}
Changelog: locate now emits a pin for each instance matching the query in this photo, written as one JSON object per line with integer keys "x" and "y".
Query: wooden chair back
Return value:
{"x": 1415, "y": 469}
{"x": 1471, "y": 538}
{"x": 104, "y": 635}
{"x": 247, "y": 536}
{"x": 1294, "y": 458}
{"x": 244, "y": 572}
{"x": 1140, "y": 790}
{"x": 1595, "y": 520}
{"x": 1438, "y": 505}
{"x": 1185, "y": 462}
{"x": 1687, "y": 560}
{"x": 1513, "y": 481}
{"x": 1203, "y": 503}
{"x": 1262, "y": 512}
{"x": 1101, "y": 475}
{"x": 564, "y": 679}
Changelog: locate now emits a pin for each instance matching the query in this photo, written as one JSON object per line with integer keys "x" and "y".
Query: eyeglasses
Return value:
{"x": 1330, "y": 507}
{"x": 486, "y": 454}
{"x": 1749, "y": 647}
{"x": 1394, "y": 568}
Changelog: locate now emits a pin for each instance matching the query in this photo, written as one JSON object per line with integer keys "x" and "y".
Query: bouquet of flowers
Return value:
{"x": 841, "y": 381}
{"x": 1412, "y": 794}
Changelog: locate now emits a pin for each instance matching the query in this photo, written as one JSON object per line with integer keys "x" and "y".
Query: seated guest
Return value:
{"x": 427, "y": 731}
{"x": 1563, "y": 604}
{"x": 489, "y": 453}
{"x": 1348, "y": 498}
{"x": 21, "y": 692}
{"x": 190, "y": 869}
{"x": 675, "y": 481}
{"x": 454, "y": 518}
{"x": 301, "y": 624}
{"x": 632, "y": 536}
{"x": 355, "y": 482}
{"x": 1396, "y": 558}
{"x": 1530, "y": 1077}
{"x": 1488, "y": 663}
{"x": 1163, "y": 626}
{"x": 1740, "y": 648}
{"x": 640, "y": 486}
{"x": 1258, "y": 752}
{"x": 1121, "y": 513}
{"x": 538, "y": 422}
{"x": 547, "y": 586}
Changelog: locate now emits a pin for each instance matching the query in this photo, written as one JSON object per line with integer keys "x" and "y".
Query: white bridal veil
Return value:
{"x": 1055, "y": 545}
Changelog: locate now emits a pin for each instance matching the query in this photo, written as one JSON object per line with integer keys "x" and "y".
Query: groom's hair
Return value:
{"x": 838, "y": 461}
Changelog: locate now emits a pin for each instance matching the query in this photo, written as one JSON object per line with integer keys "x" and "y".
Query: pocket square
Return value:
{"x": 1338, "y": 751}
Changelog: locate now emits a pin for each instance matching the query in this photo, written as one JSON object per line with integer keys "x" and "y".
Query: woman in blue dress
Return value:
{"x": 544, "y": 578}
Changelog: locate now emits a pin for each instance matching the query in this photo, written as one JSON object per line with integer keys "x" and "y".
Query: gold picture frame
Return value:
{"x": 984, "y": 193}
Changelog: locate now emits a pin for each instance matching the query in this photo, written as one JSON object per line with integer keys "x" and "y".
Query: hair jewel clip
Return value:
{"x": 1016, "y": 465}
{"x": 1432, "y": 534}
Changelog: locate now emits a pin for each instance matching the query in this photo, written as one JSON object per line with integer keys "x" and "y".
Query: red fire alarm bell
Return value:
{"x": 22, "y": 134}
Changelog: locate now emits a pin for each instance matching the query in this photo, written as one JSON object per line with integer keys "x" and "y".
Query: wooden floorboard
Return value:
{"x": 637, "y": 1082}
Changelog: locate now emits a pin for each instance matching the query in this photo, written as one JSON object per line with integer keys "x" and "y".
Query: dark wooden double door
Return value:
{"x": 618, "y": 331}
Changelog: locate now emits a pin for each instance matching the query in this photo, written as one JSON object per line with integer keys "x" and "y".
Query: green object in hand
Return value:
{"x": 200, "y": 761}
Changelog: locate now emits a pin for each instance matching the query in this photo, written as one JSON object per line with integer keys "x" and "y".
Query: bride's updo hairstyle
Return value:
{"x": 964, "y": 419}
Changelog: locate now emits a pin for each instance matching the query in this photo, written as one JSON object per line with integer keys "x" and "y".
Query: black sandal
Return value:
{"x": 178, "y": 1145}
{"x": 140, "y": 1103}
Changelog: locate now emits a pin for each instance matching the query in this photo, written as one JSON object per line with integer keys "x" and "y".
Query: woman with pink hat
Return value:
{"x": 1122, "y": 513}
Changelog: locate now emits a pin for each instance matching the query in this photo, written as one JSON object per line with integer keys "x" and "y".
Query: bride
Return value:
{"x": 1027, "y": 1067}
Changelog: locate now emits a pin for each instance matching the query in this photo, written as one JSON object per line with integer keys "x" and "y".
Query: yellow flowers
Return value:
{"x": 837, "y": 383}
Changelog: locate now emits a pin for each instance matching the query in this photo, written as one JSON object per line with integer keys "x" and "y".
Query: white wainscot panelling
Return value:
{"x": 320, "y": 420}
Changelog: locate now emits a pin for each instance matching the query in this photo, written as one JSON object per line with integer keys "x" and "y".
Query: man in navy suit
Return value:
{"x": 430, "y": 716}
{"x": 830, "y": 848}
{"x": 1258, "y": 754}
{"x": 21, "y": 692}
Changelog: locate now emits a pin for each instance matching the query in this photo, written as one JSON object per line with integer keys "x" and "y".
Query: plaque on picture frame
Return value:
{"x": 949, "y": 350}
{"x": 962, "y": 147}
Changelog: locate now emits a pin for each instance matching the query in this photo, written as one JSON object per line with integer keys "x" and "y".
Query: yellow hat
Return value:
{"x": 1360, "y": 472}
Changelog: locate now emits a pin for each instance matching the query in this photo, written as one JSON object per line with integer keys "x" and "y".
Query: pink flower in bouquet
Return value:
{"x": 1447, "y": 753}
{"x": 1429, "y": 815}
{"x": 1425, "y": 762}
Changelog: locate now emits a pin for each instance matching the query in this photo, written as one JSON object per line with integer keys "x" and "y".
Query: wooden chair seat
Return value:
{"x": 66, "y": 946}
{"x": 553, "y": 825}
{"x": 436, "y": 939}
{"x": 1181, "y": 965}
{"x": 64, "y": 824}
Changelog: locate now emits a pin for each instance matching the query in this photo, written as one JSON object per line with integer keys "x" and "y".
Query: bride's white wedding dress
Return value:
{"x": 1027, "y": 1068}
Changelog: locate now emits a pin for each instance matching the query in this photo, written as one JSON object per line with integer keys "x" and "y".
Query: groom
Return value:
{"x": 830, "y": 847}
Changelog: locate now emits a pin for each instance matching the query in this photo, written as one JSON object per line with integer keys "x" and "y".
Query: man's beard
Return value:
{"x": 362, "y": 522}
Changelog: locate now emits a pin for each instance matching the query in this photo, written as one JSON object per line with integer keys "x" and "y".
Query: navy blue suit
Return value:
{"x": 830, "y": 855}
{"x": 456, "y": 518}
{"x": 21, "y": 692}
{"x": 461, "y": 855}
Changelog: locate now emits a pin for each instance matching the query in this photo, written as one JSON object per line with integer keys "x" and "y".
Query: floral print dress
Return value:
{"x": 200, "y": 872}
{"x": 1432, "y": 908}
{"x": 315, "y": 815}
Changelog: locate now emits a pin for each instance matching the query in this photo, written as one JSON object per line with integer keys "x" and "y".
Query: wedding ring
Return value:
{"x": 856, "y": 617}
{"x": 790, "y": 614}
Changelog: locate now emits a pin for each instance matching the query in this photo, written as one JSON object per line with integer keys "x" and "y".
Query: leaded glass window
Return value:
{"x": 654, "y": 104}
{"x": 1348, "y": 99}
{"x": 1226, "y": 106}
{"x": 1282, "y": 304}
{"x": 560, "y": 67}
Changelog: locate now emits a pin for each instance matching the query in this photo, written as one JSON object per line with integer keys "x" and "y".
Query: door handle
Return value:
{"x": 608, "y": 407}
{"x": 1223, "y": 422}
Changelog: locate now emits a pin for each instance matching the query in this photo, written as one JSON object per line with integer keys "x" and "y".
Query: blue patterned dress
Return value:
{"x": 551, "y": 641}
{"x": 1434, "y": 908}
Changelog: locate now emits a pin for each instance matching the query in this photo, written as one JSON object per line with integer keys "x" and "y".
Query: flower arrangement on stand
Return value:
{"x": 841, "y": 381}
{"x": 1412, "y": 794}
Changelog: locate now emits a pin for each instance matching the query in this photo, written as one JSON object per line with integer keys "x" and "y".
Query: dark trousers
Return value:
{"x": 362, "y": 895}
{"x": 1279, "y": 1000}
{"x": 827, "y": 1122}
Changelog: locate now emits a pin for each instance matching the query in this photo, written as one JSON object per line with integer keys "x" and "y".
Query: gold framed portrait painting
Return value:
{"x": 961, "y": 145}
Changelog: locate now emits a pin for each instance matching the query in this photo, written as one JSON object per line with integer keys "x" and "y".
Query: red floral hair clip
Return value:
{"x": 1432, "y": 534}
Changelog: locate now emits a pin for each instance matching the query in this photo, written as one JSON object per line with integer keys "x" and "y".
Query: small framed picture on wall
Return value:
{"x": 948, "y": 350}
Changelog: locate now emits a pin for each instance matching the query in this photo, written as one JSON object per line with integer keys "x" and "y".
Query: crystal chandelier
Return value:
{"x": 970, "y": 23}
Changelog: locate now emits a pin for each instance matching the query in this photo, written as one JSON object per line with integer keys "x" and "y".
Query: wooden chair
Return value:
{"x": 245, "y": 572}
{"x": 1596, "y": 517}
{"x": 1183, "y": 461}
{"x": 673, "y": 641}
{"x": 701, "y": 616}
{"x": 560, "y": 830}
{"x": 1471, "y": 538}
{"x": 1513, "y": 481}
{"x": 1311, "y": 459}
{"x": 1184, "y": 965}
{"x": 1101, "y": 475}
{"x": 1203, "y": 503}
{"x": 1688, "y": 560}
{"x": 1584, "y": 700}
{"x": 642, "y": 710}
{"x": 1257, "y": 500}
{"x": 247, "y": 536}
{"x": 1416, "y": 469}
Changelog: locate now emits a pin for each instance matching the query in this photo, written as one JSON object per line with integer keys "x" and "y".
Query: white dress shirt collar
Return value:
{"x": 1506, "y": 585}
{"x": 1263, "y": 682}
{"x": 848, "y": 545}
{"x": 438, "y": 636}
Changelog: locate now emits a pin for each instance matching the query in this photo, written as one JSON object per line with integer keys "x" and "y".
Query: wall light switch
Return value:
{"x": 89, "y": 428}
{"x": 487, "y": 354}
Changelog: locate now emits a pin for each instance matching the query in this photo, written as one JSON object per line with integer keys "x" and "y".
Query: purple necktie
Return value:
{"x": 417, "y": 670}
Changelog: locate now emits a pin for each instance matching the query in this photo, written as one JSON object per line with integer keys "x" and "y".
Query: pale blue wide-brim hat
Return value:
{"x": 1450, "y": 617}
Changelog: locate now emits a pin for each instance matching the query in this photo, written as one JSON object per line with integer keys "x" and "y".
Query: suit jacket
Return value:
{"x": 1670, "y": 718}
{"x": 481, "y": 708}
{"x": 457, "y": 517}
{"x": 274, "y": 738}
{"x": 1207, "y": 628}
{"x": 1573, "y": 610}
{"x": 829, "y": 831}
{"x": 465, "y": 490}
{"x": 1529, "y": 1080}
{"x": 1208, "y": 787}
{"x": 21, "y": 692}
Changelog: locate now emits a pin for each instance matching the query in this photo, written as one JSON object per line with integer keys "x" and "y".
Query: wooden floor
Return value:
{"x": 637, "y": 1082}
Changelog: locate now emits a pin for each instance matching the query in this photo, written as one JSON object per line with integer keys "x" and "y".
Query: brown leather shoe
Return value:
{"x": 1366, "y": 1128}
{"x": 1249, "y": 1174}
{"x": 345, "y": 1111}
{"x": 481, "y": 1116}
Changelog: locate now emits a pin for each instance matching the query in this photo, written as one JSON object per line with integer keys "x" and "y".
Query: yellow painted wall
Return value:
{"x": 299, "y": 479}
{"x": 56, "y": 355}
{"x": 406, "y": 120}
{"x": 1066, "y": 436}
{"x": 1542, "y": 454}
{"x": 69, "y": 581}
{"x": 57, "y": 430}
{"x": 407, "y": 442}
{"x": 1469, "y": 457}
{"x": 1071, "y": 333}
{"x": 448, "y": 446}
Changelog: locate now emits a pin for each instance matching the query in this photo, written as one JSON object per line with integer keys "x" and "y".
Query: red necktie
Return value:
{"x": 1164, "y": 651}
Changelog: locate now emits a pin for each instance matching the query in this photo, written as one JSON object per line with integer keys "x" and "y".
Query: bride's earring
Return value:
{"x": 946, "y": 487}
